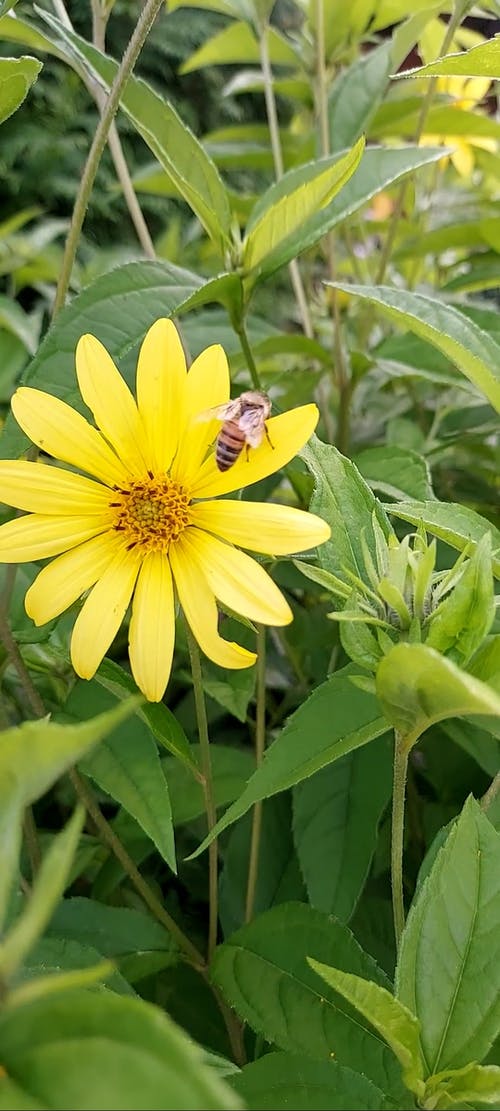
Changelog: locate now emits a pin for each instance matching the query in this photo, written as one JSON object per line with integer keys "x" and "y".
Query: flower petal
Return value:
{"x": 273, "y": 529}
{"x": 40, "y": 488}
{"x": 37, "y": 536}
{"x": 200, "y": 610}
{"x": 288, "y": 433}
{"x": 102, "y": 613}
{"x": 208, "y": 385}
{"x": 462, "y": 157}
{"x": 110, "y": 401}
{"x": 161, "y": 391}
{"x": 152, "y": 627}
{"x": 60, "y": 431}
{"x": 237, "y": 580}
{"x": 66, "y": 578}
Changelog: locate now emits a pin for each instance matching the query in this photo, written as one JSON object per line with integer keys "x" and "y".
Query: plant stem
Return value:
{"x": 401, "y": 753}
{"x": 248, "y": 353}
{"x": 260, "y": 740}
{"x": 208, "y": 789}
{"x": 139, "y": 35}
{"x": 456, "y": 17}
{"x": 274, "y": 135}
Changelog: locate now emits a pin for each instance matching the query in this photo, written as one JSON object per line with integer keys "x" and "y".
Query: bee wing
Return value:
{"x": 229, "y": 411}
{"x": 252, "y": 424}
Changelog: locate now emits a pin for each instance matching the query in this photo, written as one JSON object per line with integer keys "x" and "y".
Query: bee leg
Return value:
{"x": 247, "y": 451}
{"x": 268, "y": 438}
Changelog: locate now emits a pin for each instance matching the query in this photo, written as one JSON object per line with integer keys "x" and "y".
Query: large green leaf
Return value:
{"x": 264, "y": 974}
{"x": 99, "y": 1051}
{"x": 397, "y": 1025}
{"x": 457, "y": 525}
{"x": 231, "y": 767}
{"x": 480, "y": 61}
{"x": 416, "y": 687}
{"x": 335, "y": 719}
{"x": 114, "y": 931}
{"x": 280, "y": 1081}
{"x": 396, "y": 472}
{"x": 356, "y": 94}
{"x": 237, "y": 43}
{"x": 127, "y": 766}
{"x": 16, "y": 78}
{"x": 171, "y": 141}
{"x": 449, "y": 965}
{"x": 292, "y": 222}
{"x": 335, "y": 823}
{"x": 475, "y": 353}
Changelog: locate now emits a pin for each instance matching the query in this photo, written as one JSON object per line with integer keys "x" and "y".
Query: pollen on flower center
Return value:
{"x": 151, "y": 513}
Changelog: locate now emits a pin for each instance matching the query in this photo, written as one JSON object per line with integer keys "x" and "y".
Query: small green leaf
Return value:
{"x": 417, "y": 687}
{"x": 475, "y": 353}
{"x": 47, "y": 890}
{"x": 332, "y": 722}
{"x": 449, "y": 965}
{"x": 472, "y": 1084}
{"x": 16, "y": 78}
{"x": 395, "y": 472}
{"x": 355, "y": 95}
{"x": 280, "y": 1081}
{"x": 480, "y": 61}
{"x": 52, "y": 958}
{"x": 114, "y": 931}
{"x": 457, "y": 525}
{"x": 462, "y": 620}
{"x": 335, "y": 825}
{"x": 397, "y": 1025}
{"x": 237, "y": 43}
{"x": 291, "y": 223}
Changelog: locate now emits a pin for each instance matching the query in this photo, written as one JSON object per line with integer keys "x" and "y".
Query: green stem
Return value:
{"x": 208, "y": 789}
{"x": 401, "y": 753}
{"x": 248, "y": 353}
{"x": 139, "y": 35}
{"x": 260, "y": 740}
{"x": 456, "y": 17}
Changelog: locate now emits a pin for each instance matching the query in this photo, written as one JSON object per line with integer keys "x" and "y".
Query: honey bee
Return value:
{"x": 244, "y": 426}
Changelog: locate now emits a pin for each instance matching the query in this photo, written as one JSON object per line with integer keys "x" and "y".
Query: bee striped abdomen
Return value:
{"x": 230, "y": 443}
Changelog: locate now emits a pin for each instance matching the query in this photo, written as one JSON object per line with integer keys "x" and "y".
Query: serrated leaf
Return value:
{"x": 474, "y": 352}
{"x": 417, "y": 687}
{"x": 480, "y": 61}
{"x": 280, "y": 1081}
{"x": 114, "y": 931}
{"x": 356, "y": 94}
{"x": 449, "y": 965}
{"x": 331, "y": 723}
{"x": 396, "y": 472}
{"x": 397, "y": 1025}
{"x": 237, "y": 43}
{"x": 16, "y": 78}
{"x": 457, "y": 525}
{"x": 463, "y": 619}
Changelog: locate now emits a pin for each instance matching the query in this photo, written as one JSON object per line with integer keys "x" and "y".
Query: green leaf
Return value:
{"x": 480, "y": 61}
{"x": 280, "y": 1081}
{"x": 457, "y": 525}
{"x": 335, "y": 825}
{"x": 231, "y": 767}
{"x": 47, "y": 890}
{"x": 51, "y": 957}
{"x": 158, "y": 718}
{"x": 16, "y": 78}
{"x": 396, "y": 472}
{"x": 114, "y": 931}
{"x": 127, "y": 766}
{"x": 417, "y": 687}
{"x": 237, "y": 43}
{"x": 475, "y": 353}
{"x": 16, "y": 321}
{"x": 356, "y": 94}
{"x": 472, "y": 1084}
{"x": 264, "y": 974}
{"x": 333, "y": 721}
{"x": 449, "y": 965}
{"x": 291, "y": 223}
{"x": 99, "y": 1051}
{"x": 343, "y": 499}
{"x": 167, "y": 136}
{"x": 397, "y": 1025}
{"x": 15, "y": 29}
{"x": 464, "y": 618}
{"x": 118, "y": 308}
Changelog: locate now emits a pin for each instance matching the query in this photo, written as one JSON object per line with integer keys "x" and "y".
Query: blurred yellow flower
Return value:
{"x": 467, "y": 93}
{"x": 147, "y": 522}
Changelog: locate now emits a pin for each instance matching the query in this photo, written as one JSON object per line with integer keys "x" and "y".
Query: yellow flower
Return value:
{"x": 467, "y": 93}
{"x": 147, "y": 522}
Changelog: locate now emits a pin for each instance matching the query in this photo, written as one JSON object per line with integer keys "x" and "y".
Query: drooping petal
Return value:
{"x": 152, "y": 627}
{"x": 207, "y": 387}
{"x": 462, "y": 157}
{"x": 37, "y": 536}
{"x": 110, "y": 401}
{"x": 271, "y": 529}
{"x": 474, "y": 90}
{"x": 66, "y": 578}
{"x": 161, "y": 391}
{"x": 102, "y": 613}
{"x": 60, "y": 431}
{"x": 237, "y": 580}
{"x": 287, "y": 434}
{"x": 200, "y": 610}
{"x": 40, "y": 488}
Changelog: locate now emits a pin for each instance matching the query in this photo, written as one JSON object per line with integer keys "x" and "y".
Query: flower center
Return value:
{"x": 151, "y": 512}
